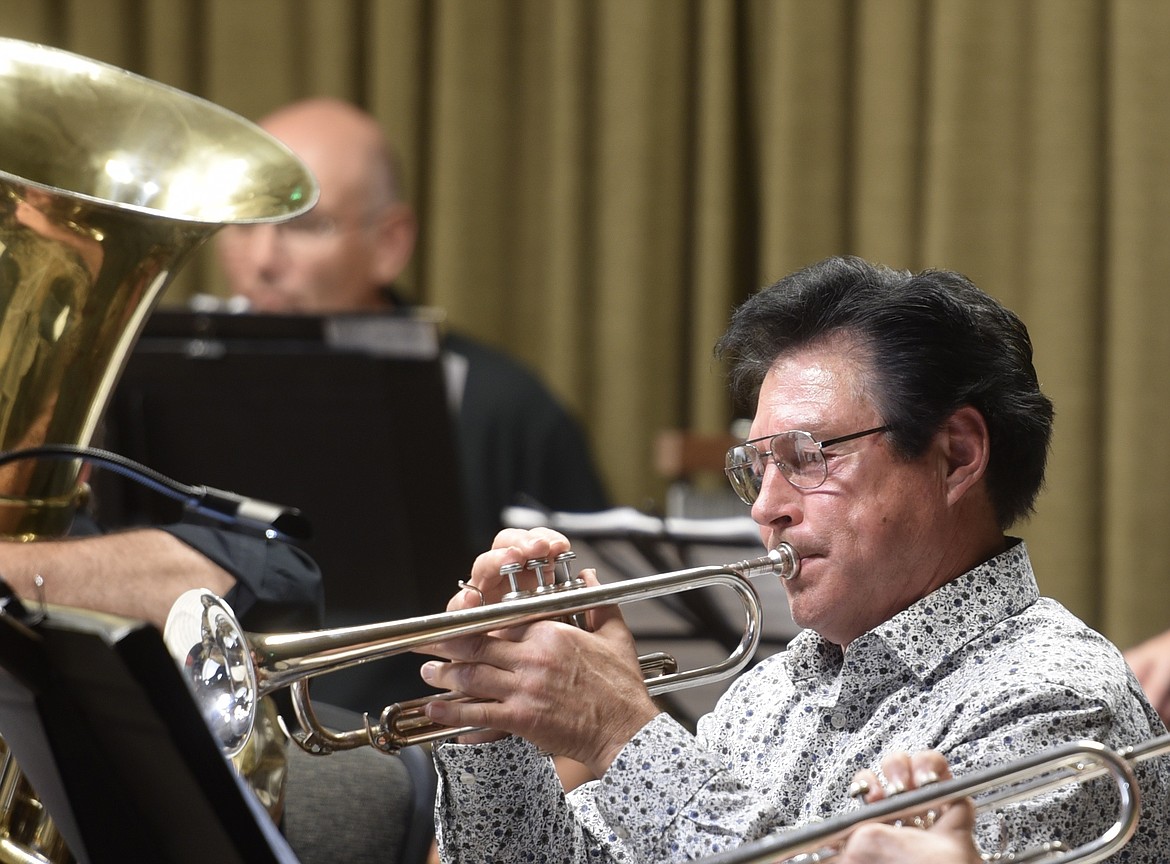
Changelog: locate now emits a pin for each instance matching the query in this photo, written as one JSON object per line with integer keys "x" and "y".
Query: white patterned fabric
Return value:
{"x": 983, "y": 669}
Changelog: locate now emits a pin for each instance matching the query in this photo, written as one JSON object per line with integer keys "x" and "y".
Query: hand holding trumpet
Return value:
{"x": 949, "y": 838}
{"x": 573, "y": 692}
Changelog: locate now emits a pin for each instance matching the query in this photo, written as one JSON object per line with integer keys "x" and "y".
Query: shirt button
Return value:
{"x": 467, "y": 778}
{"x": 838, "y": 720}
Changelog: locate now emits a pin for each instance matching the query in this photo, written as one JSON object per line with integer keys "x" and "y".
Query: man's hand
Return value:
{"x": 948, "y": 841}
{"x": 1150, "y": 662}
{"x": 572, "y": 692}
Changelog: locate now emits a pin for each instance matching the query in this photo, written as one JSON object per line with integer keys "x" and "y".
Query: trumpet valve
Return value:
{"x": 562, "y": 577}
{"x": 510, "y": 572}
{"x": 557, "y": 578}
{"x": 537, "y": 566}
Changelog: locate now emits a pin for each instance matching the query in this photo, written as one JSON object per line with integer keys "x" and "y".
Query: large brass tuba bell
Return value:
{"x": 108, "y": 183}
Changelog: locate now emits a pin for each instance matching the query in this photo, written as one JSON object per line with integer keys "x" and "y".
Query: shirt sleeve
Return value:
{"x": 665, "y": 798}
{"x": 278, "y": 586}
{"x": 499, "y": 802}
{"x": 673, "y": 798}
{"x": 1031, "y": 721}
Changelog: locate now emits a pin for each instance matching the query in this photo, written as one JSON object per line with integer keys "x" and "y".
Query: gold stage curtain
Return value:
{"x": 601, "y": 181}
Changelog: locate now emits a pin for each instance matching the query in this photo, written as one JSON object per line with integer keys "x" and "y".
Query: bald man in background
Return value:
{"x": 516, "y": 442}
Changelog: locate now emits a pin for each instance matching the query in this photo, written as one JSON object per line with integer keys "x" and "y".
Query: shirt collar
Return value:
{"x": 925, "y": 634}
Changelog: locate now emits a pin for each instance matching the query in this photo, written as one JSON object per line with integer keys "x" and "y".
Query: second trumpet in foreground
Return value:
{"x": 991, "y": 788}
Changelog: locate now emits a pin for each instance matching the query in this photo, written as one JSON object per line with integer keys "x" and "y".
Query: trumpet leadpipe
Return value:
{"x": 282, "y": 659}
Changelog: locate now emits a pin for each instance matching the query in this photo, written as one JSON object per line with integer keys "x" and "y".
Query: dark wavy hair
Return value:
{"x": 936, "y": 343}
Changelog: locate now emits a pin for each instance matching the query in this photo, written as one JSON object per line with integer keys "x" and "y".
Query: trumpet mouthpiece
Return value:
{"x": 783, "y": 561}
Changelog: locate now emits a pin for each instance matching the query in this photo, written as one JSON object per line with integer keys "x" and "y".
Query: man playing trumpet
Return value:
{"x": 899, "y": 432}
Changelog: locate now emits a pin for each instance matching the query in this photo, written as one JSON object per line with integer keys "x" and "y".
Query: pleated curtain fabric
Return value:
{"x": 600, "y": 182}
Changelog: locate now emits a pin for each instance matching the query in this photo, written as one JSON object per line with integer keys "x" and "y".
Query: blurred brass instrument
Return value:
{"x": 108, "y": 183}
{"x": 991, "y": 788}
{"x": 229, "y": 670}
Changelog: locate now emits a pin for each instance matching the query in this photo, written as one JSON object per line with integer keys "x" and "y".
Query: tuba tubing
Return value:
{"x": 279, "y": 660}
{"x": 993, "y": 787}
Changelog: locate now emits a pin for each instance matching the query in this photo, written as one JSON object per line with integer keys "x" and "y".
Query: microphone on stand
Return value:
{"x": 272, "y": 520}
{"x": 250, "y": 513}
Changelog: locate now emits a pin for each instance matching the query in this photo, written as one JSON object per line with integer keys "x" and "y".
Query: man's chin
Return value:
{"x": 805, "y": 601}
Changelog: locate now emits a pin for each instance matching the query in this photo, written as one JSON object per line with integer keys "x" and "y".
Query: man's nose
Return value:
{"x": 256, "y": 248}
{"x": 778, "y": 502}
{"x": 265, "y": 248}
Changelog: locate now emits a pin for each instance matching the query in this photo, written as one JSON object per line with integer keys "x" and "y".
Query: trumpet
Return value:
{"x": 229, "y": 670}
{"x": 992, "y": 788}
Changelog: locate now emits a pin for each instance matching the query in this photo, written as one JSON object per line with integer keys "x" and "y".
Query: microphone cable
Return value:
{"x": 273, "y": 520}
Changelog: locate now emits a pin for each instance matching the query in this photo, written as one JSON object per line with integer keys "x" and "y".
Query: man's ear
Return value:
{"x": 967, "y": 448}
{"x": 397, "y": 230}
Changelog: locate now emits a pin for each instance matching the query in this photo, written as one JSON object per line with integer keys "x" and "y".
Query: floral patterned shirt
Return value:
{"x": 983, "y": 669}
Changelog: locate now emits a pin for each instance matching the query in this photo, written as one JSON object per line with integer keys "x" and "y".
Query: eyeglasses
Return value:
{"x": 799, "y": 456}
{"x": 309, "y": 226}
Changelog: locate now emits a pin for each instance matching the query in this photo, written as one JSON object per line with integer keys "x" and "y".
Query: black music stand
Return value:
{"x": 344, "y": 417}
{"x": 97, "y": 715}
